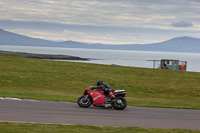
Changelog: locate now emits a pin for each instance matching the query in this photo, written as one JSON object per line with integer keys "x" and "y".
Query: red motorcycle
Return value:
{"x": 97, "y": 98}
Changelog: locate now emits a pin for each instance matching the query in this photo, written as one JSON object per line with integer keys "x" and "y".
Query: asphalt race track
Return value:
{"x": 16, "y": 110}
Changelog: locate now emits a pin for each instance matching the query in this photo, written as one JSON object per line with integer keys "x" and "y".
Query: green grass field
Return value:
{"x": 7, "y": 127}
{"x": 65, "y": 81}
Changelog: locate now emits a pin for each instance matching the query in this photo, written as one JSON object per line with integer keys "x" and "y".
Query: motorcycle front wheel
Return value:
{"x": 119, "y": 103}
{"x": 84, "y": 101}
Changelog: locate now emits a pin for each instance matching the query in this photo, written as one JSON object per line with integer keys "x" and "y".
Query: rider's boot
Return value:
{"x": 108, "y": 105}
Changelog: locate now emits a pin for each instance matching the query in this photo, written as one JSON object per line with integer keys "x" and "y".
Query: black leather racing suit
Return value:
{"x": 106, "y": 88}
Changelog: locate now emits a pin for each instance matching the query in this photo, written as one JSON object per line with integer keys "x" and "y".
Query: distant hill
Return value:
{"x": 9, "y": 38}
{"x": 179, "y": 44}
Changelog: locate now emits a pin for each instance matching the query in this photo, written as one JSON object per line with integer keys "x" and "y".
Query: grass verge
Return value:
{"x": 65, "y": 81}
{"x": 7, "y": 127}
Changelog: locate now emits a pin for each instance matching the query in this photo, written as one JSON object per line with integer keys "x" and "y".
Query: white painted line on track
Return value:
{"x": 11, "y": 98}
{"x": 32, "y": 100}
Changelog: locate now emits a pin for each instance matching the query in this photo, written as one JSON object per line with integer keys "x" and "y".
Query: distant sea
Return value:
{"x": 114, "y": 57}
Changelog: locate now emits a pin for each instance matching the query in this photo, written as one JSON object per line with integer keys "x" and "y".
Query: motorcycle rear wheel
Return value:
{"x": 119, "y": 103}
{"x": 84, "y": 102}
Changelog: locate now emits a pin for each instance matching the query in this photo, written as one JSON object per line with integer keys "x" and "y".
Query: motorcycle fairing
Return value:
{"x": 97, "y": 97}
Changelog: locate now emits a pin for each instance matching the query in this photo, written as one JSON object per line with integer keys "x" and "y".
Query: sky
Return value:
{"x": 102, "y": 21}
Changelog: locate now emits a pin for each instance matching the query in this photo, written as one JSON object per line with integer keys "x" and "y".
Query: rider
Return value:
{"x": 106, "y": 88}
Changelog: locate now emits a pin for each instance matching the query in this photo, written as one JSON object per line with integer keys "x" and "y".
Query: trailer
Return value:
{"x": 170, "y": 64}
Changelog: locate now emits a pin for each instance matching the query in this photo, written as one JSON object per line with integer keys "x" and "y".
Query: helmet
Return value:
{"x": 99, "y": 82}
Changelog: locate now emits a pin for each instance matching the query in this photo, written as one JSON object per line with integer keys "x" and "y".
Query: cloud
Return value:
{"x": 182, "y": 24}
{"x": 126, "y": 13}
{"x": 90, "y": 33}
{"x": 114, "y": 21}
